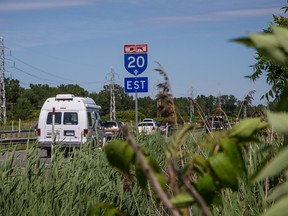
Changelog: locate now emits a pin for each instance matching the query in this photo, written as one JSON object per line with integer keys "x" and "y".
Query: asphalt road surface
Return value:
{"x": 20, "y": 157}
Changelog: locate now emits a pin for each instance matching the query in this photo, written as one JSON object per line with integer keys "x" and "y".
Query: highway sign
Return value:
{"x": 135, "y": 84}
{"x": 135, "y": 58}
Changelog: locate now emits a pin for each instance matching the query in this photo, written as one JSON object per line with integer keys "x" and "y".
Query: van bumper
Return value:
{"x": 45, "y": 145}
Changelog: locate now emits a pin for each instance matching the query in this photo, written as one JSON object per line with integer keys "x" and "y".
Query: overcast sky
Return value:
{"x": 80, "y": 41}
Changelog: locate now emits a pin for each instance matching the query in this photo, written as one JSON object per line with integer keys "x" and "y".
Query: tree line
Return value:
{"x": 25, "y": 103}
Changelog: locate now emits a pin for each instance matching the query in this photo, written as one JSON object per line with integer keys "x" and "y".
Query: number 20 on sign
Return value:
{"x": 135, "y": 58}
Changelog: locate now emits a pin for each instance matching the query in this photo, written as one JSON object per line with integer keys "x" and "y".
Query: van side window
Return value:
{"x": 70, "y": 118}
{"x": 90, "y": 123}
{"x": 58, "y": 116}
{"x": 97, "y": 116}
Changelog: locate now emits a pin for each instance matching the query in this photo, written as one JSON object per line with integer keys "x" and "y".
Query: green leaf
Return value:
{"x": 120, "y": 154}
{"x": 206, "y": 187}
{"x": 157, "y": 172}
{"x": 201, "y": 162}
{"x": 277, "y": 55}
{"x": 278, "y": 192}
{"x": 154, "y": 164}
{"x": 105, "y": 209}
{"x": 162, "y": 180}
{"x": 233, "y": 151}
{"x": 281, "y": 35}
{"x": 279, "y": 122}
{"x": 224, "y": 170}
{"x": 282, "y": 105}
{"x": 264, "y": 41}
{"x": 182, "y": 200}
{"x": 274, "y": 45}
{"x": 247, "y": 128}
{"x": 140, "y": 175}
{"x": 279, "y": 208}
{"x": 246, "y": 41}
{"x": 274, "y": 167}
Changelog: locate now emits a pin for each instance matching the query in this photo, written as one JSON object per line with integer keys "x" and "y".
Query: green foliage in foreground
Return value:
{"x": 220, "y": 174}
{"x": 77, "y": 185}
{"x": 217, "y": 166}
{"x": 85, "y": 184}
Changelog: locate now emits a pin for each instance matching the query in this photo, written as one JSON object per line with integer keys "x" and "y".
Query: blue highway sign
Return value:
{"x": 135, "y": 84}
{"x": 136, "y": 58}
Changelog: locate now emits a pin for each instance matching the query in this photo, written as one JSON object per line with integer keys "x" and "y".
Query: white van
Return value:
{"x": 76, "y": 121}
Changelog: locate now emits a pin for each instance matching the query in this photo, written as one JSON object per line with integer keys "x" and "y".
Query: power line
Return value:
{"x": 51, "y": 74}
{"x": 37, "y": 77}
{"x": 53, "y": 82}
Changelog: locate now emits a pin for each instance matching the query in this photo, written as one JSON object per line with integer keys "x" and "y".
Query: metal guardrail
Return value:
{"x": 18, "y": 136}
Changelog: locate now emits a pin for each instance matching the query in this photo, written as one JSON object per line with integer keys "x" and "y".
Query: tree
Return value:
{"x": 182, "y": 108}
{"x": 276, "y": 73}
{"x": 229, "y": 104}
{"x": 207, "y": 104}
{"x": 147, "y": 106}
{"x": 122, "y": 100}
{"x": 13, "y": 92}
{"x": 38, "y": 93}
{"x": 24, "y": 109}
{"x": 72, "y": 89}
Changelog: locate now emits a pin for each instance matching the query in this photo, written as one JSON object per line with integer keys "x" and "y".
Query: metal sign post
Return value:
{"x": 136, "y": 109}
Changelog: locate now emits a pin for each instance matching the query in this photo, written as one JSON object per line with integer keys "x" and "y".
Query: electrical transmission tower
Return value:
{"x": 2, "y": 84}
{"x": 112, "y": 96}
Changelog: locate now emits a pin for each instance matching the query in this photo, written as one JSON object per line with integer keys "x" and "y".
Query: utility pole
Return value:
{"x": 219, "y": 100}
{"x": 2, "y": 83}
{"x": 192, "y": 111}
{"x": 112, "y": 96}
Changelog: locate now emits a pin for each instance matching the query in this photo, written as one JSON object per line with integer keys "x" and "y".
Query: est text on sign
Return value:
{"x": 135, "y": 84}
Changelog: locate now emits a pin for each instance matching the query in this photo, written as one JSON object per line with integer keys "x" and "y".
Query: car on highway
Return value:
{"x": 166, "y": 129}
{"x": 148, "y": 127}
{"x": 215, "y": 123}
{"x": 112, "y": 129}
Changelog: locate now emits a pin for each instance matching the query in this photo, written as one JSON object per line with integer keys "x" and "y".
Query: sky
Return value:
{"x": 81, "y": 42}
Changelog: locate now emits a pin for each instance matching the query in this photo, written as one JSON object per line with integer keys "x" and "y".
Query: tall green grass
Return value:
{"x": 68, "y": 186}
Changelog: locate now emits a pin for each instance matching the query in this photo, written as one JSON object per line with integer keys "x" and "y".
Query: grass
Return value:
{"x": 68, "y": 186}
{"x": 15, "y": 125}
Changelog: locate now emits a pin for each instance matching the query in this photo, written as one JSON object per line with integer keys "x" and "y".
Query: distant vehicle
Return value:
{"x": 76, "y": 120}
{"x": 147, "y": 127}
{"x": 215, "y": 123}
{"x": 112, "y": 128}
{"x": 166, "y": 128}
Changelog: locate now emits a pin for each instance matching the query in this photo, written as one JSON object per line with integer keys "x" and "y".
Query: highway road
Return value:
{"x": 20, "y": 157}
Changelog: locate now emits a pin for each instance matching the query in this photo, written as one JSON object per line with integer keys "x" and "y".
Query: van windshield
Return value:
{"x": 58, "y": 116}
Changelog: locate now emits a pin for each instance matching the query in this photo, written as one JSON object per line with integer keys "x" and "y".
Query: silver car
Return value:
{"x": 148, "y": 127}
